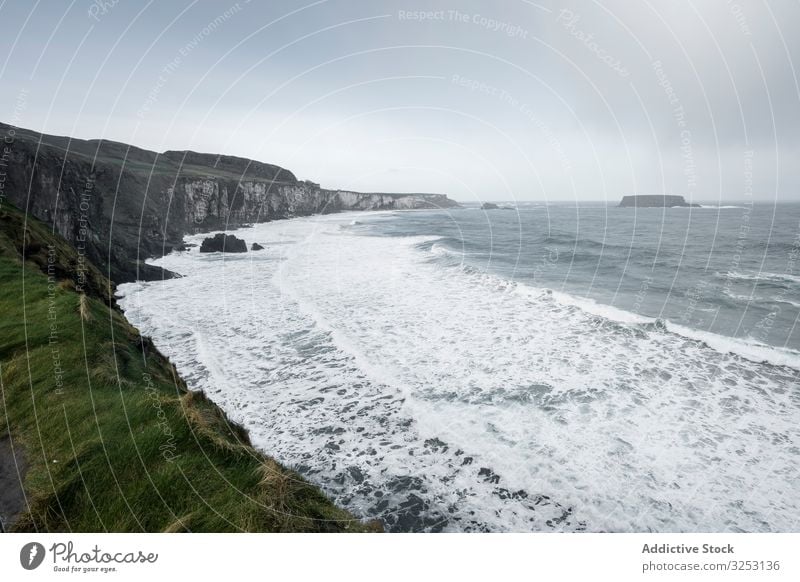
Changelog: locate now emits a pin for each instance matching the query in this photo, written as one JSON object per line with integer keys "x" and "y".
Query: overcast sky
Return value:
{"x": 481, "y": 100}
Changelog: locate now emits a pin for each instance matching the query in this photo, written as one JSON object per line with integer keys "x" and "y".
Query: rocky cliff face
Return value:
{"x": 120, "y": 205}
{"x": 212, "y": 203}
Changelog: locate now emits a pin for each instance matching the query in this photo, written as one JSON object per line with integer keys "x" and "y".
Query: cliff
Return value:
{"x": 100, "y": 432}
{"x": 118, "y": 204}
{"x": 655, "y": 201}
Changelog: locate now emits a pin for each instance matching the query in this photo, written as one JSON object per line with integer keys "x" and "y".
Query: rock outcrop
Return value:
{"x": 256, "y": 247}
{"x": 119, "y": 204}
{"x": 223, "y": 243}
{"x": 655, "y": 201}
{"x": 489, "y": 206}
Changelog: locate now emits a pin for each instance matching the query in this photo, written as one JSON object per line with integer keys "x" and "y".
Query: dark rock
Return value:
{"x": 655, "y": 201}
{"x": 404, "y": 483}
{"x": 489, "y": 475}
{"x": 256, "y": 247}
{"x": 436, "y": 445}
{"x": 223, "y": 243}
{"x": 356, "y": 474}
{"x": 489, "y": 206}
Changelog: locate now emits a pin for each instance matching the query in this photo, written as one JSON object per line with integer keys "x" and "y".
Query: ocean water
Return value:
{"x": 538, "y": 368}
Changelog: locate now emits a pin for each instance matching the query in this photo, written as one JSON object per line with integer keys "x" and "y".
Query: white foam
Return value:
{"x": 749, "y": 349}
{"x": 599, "y": 309}
{"x": 722, "y": 207}
{"x": 377, "y": 372}
{"x": 761, "y": 276}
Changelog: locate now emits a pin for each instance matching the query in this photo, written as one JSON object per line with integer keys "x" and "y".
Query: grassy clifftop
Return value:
{"x": 103, "y": 432}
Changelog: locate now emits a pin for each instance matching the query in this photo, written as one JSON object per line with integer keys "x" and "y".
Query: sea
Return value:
{"x": 537, "y": 367}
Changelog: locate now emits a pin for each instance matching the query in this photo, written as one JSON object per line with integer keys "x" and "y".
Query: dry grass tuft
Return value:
{"x": 83, "y": 308}
{"x": 276, "y": 489}
{"x": 180, "y": 525}
{"x": 207, "y": 421}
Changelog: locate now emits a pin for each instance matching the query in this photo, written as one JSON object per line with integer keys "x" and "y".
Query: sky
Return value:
{"x": 480, "y": 100}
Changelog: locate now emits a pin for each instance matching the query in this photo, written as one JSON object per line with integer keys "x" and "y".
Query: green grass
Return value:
{"x": 117, "y": 442}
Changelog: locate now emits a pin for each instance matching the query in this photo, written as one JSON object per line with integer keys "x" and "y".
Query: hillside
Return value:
{"x": 123, "y": 204}
{"x": 102, "y": 432}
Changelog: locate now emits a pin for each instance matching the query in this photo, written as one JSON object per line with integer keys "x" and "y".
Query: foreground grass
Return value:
{"x": 112, "y": 439}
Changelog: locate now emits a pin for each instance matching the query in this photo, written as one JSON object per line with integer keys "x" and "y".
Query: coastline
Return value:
{"x": 123, "y": 204}
{"x": 344, "y": 307}
{"x": 112, "y": 438}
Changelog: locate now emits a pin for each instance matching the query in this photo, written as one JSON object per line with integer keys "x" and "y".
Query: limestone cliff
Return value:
{"x": 119, "y": 204}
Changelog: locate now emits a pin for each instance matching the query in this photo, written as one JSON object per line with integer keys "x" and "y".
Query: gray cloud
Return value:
{"x": 586, "y": 100}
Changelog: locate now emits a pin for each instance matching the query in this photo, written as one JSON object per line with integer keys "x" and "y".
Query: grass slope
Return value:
{"x": 112, "y": 438}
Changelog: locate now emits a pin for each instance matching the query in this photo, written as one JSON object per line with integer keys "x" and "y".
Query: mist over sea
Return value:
{"x": 568, "y": 367}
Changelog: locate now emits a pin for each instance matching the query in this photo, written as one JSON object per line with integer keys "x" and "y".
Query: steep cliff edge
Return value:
{"x": 119, "y": 204}
{"x": 98, "y": 431}
{"x": 655, "y": 201}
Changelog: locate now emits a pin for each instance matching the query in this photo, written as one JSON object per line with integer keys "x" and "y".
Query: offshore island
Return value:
{"x": 655, "y": 201}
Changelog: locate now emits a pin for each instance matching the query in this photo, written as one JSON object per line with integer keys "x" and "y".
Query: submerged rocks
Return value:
{"x": 223, "y": 243}
{"x": 256, "y": 247}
